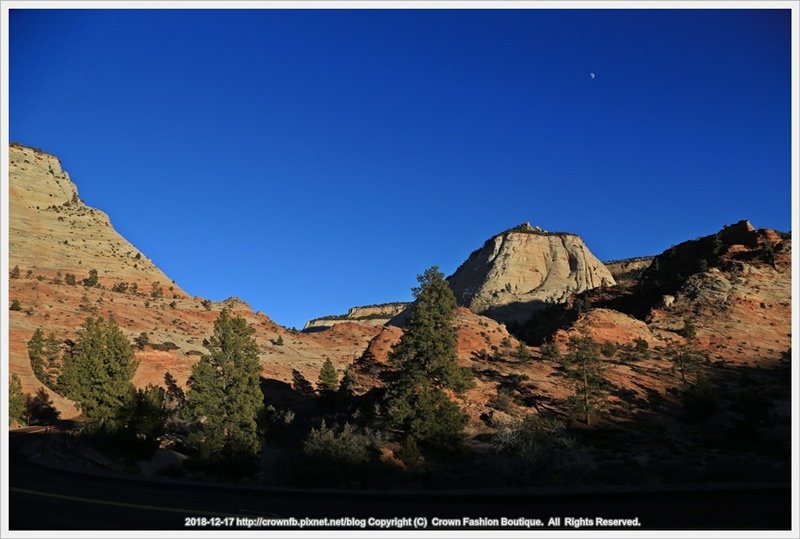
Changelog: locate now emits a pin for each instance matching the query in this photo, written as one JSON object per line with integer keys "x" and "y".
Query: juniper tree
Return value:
{"x": 98, "y": 374}
{"x": 583, "y": 365}
{"x": 141, "y": 340}
{"x": 427, "y": 366}
{"x": 155, "y": 290}
{"x": 91, "y": 280}
{"x": 224, "y": 400}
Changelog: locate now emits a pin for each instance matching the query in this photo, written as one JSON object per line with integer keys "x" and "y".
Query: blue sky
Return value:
{"x": 309, "y": 161}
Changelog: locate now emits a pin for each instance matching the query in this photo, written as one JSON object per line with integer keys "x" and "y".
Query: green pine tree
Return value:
{"x": 348, "y": 384}
{"x": 148, "y": 415}
{"x": 16, "y": 400}
{"x": 689, "y": 330}
{"x": 224, "y": 400}
{"x": 427, "y": 364}
{"x": 328, "y": 382}
{"x": 685, "y": 359}
{"x": 583, "y": 365}
{"x": 52, "y": 366}
{"x": 36, "y": 354}
{"x": 98, "y": 374}
{"x": 174, "y": 401}
{"x": 522, "y": 353}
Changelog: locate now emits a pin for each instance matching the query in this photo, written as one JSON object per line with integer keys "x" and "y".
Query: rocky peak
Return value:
{"x": 520, "y": 271}
{"x": 742, "y": 233}
{"x": 51, "y": 230}
{"x": 43, "y": 183}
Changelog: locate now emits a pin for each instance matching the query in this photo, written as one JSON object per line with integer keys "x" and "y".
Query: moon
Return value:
{"x": 592, "y": 75}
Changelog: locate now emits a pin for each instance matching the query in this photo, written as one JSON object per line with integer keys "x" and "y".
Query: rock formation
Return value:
{"x": 369, "y": 315}
{"x": 52, "y": 233}
{"x": 628, "y": 270}
{"x": 521, "y": 270}
{"x": 52, "y": 230}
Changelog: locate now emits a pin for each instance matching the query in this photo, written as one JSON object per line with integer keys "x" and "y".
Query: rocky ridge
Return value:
{"x": 368, "y": 315}
{"x": 52, "y": 230}
{"x": 53, "y": 233}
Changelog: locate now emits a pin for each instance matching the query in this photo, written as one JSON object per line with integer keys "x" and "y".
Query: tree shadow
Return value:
{"x": 731, "y": 424}
{"x": 40, "y": 409}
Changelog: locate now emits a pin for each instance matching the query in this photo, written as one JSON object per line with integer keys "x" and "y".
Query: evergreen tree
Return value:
{"x": 583, "y": 365}
{"x": 301, "y": 384}
{"x": 328, "y": 378}
{"x": 155, "y": 290}
{"x": 225, "y": 399}
{"x": 141, "y": 340}
{"x": 16, "y": 400}
{"x": 98, "y": 374}
{"x": 427, "y": 364}
{"x": 522, "y": 353}
{"x": 174, "y": 401}
{"x": 685, "y": 359}
{"x": 14, "y": 273}
{"x": 689, "y": 330}
{"x": 52, "y": 354}
{"x": 36, "y": 355}
{"x": 348, "y": 383}
{"x": 148, "y": 415}
{"x": 91, "y": 280}
{"x": 550, "y": 351}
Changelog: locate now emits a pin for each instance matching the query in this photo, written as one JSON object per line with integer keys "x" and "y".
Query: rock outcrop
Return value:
{"x": 369, "y": 315}
{"x": 521, "y": 270}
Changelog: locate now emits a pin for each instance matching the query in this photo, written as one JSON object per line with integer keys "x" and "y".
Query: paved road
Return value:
{"x": 46, "y": 499}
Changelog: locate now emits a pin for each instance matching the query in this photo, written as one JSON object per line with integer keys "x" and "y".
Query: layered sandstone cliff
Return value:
{"x": 52, "y": 233}
{"x": 51, "y": 230}
{"x": 521, "y": 270}
{"x": 369, "y": 315}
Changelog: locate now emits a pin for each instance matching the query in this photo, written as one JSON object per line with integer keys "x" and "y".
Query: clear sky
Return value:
{"x": 309, "y": 161}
